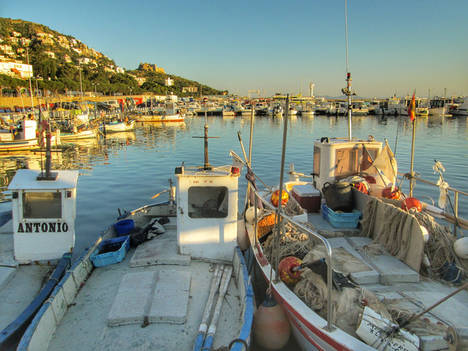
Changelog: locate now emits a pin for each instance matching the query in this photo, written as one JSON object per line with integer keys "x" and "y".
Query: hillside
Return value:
{"x": 57, "y": 59}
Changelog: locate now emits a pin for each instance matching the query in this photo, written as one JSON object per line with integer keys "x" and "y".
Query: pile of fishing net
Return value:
{"x": 439, "y": 248}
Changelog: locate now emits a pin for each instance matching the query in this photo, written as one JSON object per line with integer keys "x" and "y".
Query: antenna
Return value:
{"x": 206, "y": 165}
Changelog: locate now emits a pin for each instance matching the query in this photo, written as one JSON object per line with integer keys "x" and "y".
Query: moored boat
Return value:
{"x": 182, "y": 285}
{"x": 119, "y": 126}
{"x": 36, "y": 240}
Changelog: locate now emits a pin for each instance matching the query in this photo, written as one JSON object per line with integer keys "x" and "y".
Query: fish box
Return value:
{"x": 307, "y": 196}
{"x": 111, "y": 251}
{"x": 341, "y": 219}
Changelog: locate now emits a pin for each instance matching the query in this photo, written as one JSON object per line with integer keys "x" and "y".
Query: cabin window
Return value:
{"x": 42, "y": 205}
{"x": 208, "y": 202}
{"x": 350, "y": 161}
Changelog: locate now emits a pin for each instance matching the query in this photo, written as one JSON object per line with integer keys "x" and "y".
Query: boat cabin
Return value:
{"x": 207, "y": 211}
{"x": 335, "y": 159}
{"x": 43, "y": 213}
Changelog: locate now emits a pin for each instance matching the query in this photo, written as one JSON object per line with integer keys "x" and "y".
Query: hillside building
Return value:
{"x": 16, "y": 69}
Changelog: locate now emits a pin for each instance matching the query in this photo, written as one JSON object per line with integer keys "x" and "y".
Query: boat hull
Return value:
{"x": 18, "y": 145}
{"x": 160, "y": 118}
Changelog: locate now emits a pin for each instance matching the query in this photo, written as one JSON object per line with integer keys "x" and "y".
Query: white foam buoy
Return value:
{"x": 242, "y": 238}
{"x": 461, "y": 248}
{"x": 271, "y": 326}
{"x": 425, "y": 233}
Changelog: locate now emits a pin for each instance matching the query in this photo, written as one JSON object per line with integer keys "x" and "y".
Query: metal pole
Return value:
{"x": 411, "y": 185}
{"x": 279, "y": 222}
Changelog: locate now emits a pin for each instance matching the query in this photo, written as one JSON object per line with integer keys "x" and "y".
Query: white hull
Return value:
{"x": 119, "y": 127}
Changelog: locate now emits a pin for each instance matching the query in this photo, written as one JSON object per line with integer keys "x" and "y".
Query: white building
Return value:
{"x": 16, "y": 69}
{"x": 169, "y": 82}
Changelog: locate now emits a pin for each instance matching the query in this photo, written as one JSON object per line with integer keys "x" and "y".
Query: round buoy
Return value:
{"x": 391, "y": 193}
{"x": 271, "y": 326}
{"x": 410, "y": 203}
{"x": 286, "y": 272}
{"x": 242, "y": 238}
{"x": 461, "y": 247}
{"x": 275, "y": 198}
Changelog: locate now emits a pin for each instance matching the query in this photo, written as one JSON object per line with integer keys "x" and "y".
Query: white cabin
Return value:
{"x": 336, "y": 159}
{"x": 207, "y": 212}
{"x": 43, "y": 213}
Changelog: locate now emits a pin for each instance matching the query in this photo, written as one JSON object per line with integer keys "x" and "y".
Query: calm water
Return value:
{"x": 126, "y": 169}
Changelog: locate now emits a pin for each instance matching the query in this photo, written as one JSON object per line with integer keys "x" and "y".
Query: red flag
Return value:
{"x": 412, "y": 108}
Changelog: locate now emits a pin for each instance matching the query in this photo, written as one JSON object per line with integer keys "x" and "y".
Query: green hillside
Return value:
{"x": 57, "y": 59}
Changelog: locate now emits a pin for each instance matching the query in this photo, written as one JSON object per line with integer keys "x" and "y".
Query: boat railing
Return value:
{"x": 308, "y": 231}
{"x": 454, "y": 219}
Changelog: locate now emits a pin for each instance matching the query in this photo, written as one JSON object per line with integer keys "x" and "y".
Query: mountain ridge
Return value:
{"x": 57, "y": 60}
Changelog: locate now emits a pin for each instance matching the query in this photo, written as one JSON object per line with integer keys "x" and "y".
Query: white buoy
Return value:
{"x": 242, "y": 238}
{"x": 271, "y": 326}
{"x": 461, "y": 248}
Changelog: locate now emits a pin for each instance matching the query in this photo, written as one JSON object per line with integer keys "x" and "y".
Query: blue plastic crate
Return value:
{"x": 341, "y": 219}
{"x": 111, "y": 251}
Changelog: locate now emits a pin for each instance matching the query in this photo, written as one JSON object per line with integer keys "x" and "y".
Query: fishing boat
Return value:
{"x": 170, "y": 114}
{"x": 166, "y": 276}
{"x": 37, "y": 235}
{"x": 25, "y": 139}
{"x": 356, "y": 267}
{"x": 79, "y": 135}
{"x": 119, "y": 126}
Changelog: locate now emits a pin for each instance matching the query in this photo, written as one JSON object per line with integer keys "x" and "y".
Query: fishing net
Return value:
{"x": 293, "y": 243}
{"x": 439, "y": 248}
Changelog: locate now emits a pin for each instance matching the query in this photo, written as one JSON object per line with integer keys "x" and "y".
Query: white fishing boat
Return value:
{"x": 462, "y": 109}
{"x": 78, "y": 135}
{"x": 170, "y": 114}
{"x": 356, "y": 267}
{"x": 37, "y": 235}
{"x": 119, "y": 126}
{"x": 182, "y": 285}
{"x": 26, "y": 139}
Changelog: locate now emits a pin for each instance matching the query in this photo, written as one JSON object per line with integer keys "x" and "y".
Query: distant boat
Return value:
{"x": 25, "y": 139}
{"x": 84, "y": 134}
{"x": 119, "y": 126}
{"x": 169, "y": 115}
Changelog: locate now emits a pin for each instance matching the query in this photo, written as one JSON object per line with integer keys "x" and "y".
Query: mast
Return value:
{"x": 347, "y": 91}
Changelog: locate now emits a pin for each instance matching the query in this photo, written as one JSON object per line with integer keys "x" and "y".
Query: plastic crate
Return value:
{"x": 341, "y": 219}
{"x": 124, "y": 226}
{"x": 111, "y": 251}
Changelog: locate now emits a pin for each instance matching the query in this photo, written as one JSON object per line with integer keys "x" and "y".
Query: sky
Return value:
{"x": 395, "y": 46}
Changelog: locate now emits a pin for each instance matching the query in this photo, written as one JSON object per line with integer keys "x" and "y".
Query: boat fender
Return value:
{"x": 271, "y": 326}
{"x": 461, "y": 248}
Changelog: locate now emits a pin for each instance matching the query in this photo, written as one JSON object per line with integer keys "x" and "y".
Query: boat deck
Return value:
{"x": 19, "y": 284}
{"x": 394, "y": 282}
{"x": 153, "y": 300}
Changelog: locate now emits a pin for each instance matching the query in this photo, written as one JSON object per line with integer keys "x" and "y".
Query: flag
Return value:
{"x": 412, "y": 108}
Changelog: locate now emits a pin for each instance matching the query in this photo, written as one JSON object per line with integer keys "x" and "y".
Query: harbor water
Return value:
{"x": 123, "y": 171}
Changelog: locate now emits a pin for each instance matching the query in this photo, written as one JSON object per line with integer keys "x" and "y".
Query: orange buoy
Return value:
{"x": 363, "y": 187}
{"x": 410, "y": 203}
{"x": 271, "y": 326}
{"x": 391, "y": 193}
{"x": 275, "y": 198}
{"x": 286, "y": 272}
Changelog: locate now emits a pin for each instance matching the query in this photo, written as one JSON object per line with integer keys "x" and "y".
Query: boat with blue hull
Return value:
{"x": 168, "y": 275}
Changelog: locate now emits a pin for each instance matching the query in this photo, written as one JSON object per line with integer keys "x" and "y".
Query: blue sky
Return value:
{"x": 275, "y": 46}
